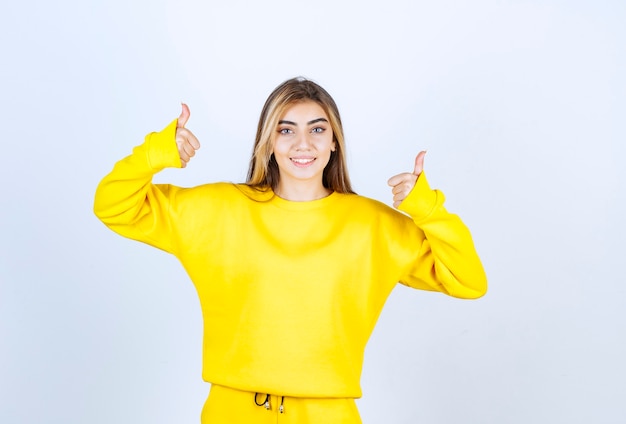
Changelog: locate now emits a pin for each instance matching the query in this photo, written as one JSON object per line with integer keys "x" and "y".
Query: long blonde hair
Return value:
{"x": 263, "y": 172}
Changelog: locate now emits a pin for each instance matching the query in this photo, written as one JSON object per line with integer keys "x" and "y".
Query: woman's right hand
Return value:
{"x": 186, "y": 142}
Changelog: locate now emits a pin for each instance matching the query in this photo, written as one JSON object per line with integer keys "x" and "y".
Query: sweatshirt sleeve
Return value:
{"x": 128, "y": 203}
{"x": 447, "y": 260}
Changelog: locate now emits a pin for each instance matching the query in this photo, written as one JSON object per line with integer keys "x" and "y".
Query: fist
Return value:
{"x": 186, "y": 142}
{"x": 402, "y": 184}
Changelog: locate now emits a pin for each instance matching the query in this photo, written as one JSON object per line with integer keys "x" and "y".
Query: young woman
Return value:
{"x": 292, "y": 268}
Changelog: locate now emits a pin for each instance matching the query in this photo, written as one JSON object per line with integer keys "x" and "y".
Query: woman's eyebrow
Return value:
{"x": 314, "y": 121}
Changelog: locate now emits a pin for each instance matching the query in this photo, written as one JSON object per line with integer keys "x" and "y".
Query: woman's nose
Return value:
{"x": 303, "y": 142}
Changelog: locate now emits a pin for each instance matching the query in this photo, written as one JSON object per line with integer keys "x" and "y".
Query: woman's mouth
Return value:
{"x": 302, "y": 162}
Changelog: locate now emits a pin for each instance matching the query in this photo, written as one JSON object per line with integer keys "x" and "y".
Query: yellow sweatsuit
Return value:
{"x": 290, "y": 291}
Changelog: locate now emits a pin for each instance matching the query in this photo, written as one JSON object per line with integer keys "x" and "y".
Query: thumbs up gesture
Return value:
{"x": 402, "y": 184}
{"x": 186, "y": 142}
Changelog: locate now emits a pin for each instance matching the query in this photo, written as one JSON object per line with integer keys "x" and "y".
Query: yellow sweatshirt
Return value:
{"x": 290, "y": 291}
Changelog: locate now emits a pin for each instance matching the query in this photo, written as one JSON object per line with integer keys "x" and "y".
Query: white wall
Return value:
{"x": 521, "y": 105}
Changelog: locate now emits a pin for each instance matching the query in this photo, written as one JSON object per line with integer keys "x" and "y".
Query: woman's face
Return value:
{"x": 303, "y": 143}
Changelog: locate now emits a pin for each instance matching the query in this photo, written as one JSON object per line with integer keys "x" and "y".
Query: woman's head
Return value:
{"x": 264, "y": 170}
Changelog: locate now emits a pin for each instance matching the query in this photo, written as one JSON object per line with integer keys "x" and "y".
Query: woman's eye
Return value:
{"x": 285, "y": 131}
{"x": 318, "y": 130}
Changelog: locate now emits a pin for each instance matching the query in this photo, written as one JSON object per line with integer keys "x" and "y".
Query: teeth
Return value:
{"x": 302, "y": 161}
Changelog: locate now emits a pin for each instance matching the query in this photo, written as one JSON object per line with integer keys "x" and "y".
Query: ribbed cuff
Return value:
{"x": 162, "y": 149}
{"x": 422, "y": 200}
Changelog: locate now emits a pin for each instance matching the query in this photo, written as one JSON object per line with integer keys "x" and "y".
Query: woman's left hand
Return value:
{"x": 402, "y": 184}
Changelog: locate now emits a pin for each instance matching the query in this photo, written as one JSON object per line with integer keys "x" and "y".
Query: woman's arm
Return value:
{"x": 126, "y": 200}
{"x": 447, "y": 260}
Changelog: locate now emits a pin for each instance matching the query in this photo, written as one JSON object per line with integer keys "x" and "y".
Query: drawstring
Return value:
{"x": 266, "y": 402}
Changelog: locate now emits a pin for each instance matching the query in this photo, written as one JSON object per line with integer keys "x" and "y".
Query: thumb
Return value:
{"x": 184, "y": 116}
{"x": 419, "y": 163}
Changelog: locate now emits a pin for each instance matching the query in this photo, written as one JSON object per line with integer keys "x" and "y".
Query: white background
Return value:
{"x": 521, "y": 105}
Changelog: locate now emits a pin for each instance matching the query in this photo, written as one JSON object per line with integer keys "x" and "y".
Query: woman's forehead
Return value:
{"x": 303, "y": 111}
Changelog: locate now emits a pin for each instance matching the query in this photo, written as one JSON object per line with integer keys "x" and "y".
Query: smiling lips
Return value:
{"x": 302, "y": 162}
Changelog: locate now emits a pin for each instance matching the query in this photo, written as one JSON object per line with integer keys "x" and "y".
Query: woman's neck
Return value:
{"x": 301, "y": 192}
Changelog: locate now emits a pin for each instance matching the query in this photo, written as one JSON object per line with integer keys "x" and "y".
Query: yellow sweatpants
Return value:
{"x": 229, "y": 406}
